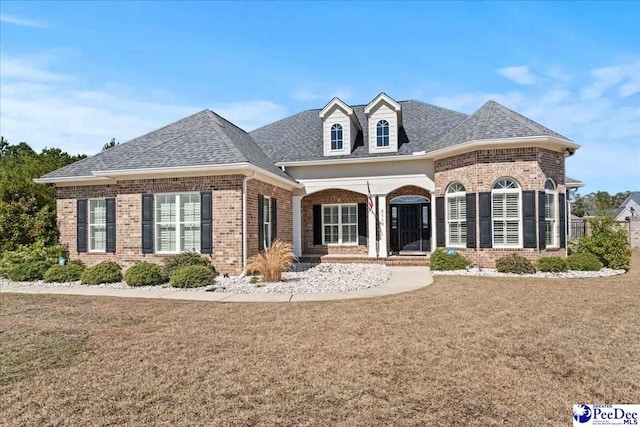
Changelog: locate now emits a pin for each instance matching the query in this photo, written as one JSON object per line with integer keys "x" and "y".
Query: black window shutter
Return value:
{"x": 206, "y": 217}
{"x": 440, "y": 227}
{"x": 274, "y": 219}
{"x": 471, "y": 220}
{"x": 147, "y": 223}
{"x": 362, "y": 223}
{"x": 529, "y": 219}
{"x": 542, "y": 238}
{"x": 260, "y": 222}
{"x": 111, "y": 224}
{"x": 317, "y": 224}
{"x": 563, "y": 221}
{"x": 81, "y": 226}
{"x": 486, "y": 237}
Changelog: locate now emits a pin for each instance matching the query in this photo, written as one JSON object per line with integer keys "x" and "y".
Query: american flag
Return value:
{"x": 369, "y": 199}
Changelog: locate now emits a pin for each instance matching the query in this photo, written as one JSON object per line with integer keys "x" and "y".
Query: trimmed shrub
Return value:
{"x": 552, "y": 264}
{"x": 271, "y": 263}
{"x": 584, "y": 262}
{"x": 609, "y": 243}
{"x": 441, "y": 260}
{"x": 63, "y": 273}
{"x": 27, "y": 271}
{"x": 515, "y": 263}
{"x": 192, "y": 276}
{"x": 145, "y": 274}
{"x": 105, "y": 272}
{"x": 174, "y": 262}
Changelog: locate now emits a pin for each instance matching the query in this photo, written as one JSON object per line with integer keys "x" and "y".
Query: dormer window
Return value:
{"x": 384, "y": 124}
{"x": 340, "y": 127}
{"x": 382, "y": 133}
{"x": 336, "y": 137}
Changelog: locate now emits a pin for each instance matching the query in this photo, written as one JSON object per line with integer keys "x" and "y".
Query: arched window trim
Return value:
{"x": 382, "y": 134}
{"x": 506, "y": 212}
{"x": 337, "y": 141}
{"x": 456, "y": 215}
{"x": 551, "y": 213}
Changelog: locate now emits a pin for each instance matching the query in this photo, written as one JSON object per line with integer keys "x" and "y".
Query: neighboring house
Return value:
{"x": 629, "y": 208}
{"x": 363, "y": 181}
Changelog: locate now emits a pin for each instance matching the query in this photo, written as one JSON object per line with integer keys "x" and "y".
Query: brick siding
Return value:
{"x": 478, "y": 171}
{"x": 227, "y": 217}
{"x": 327, "y": 197}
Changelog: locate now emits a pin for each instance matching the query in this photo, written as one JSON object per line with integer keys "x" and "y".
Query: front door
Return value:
{"x": 410, "y": 227}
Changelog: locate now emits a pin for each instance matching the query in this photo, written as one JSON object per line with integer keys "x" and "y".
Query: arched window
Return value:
{"x": 550, "y": 213}
{"x": 456, "y": 215}
{"x": 382, "y": 133}
{"x": 506, "y": 214}
{"x": 336, "y": 137}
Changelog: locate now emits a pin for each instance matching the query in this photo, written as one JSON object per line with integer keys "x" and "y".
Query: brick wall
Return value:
{"x": 327, "y": 197}
{"x": 284, "y": 220}
{"x": 227, "y": 216}
{"x": 478, "y": 171}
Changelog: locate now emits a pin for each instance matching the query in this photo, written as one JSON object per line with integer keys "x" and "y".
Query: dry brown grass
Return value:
{"x": 464, "y": 351}
{"x": 272, "y": 262}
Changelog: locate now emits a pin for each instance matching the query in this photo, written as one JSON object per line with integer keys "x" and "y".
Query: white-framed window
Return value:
{"x": 336, "y": 137}
{"x": 506, "y": 200}
{"x": 382, "y": 133}
{"x": 97, "y": 225}
{"x": 177, "y": 222}
{"x": 456, "y": 215}
{"x": 550, "y": 214}
{"x": 340, "y": 224}
{"x": 266, "y": 222}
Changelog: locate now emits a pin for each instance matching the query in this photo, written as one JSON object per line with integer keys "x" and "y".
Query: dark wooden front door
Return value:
{"x": 410, "y": 225}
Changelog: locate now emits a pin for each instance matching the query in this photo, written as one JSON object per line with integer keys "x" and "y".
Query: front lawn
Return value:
{"x": 463, "y": 351}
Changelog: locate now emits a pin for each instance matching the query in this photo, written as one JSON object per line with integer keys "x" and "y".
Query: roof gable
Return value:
{"x": 382, "y": 98}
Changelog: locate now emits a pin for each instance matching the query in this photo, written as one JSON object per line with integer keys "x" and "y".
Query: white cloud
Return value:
{"x": 12, "y": 19}
{"x": 46, "y": 108}
{"x": 519, "y": 74}
{"x": 594, "y": 108}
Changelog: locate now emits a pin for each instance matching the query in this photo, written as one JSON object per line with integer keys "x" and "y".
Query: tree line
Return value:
{"x": 27, "y": 209}
{"x": 600, "y": 202}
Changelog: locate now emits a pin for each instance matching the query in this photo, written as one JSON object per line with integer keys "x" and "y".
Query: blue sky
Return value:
{"x": 74, "y": 75}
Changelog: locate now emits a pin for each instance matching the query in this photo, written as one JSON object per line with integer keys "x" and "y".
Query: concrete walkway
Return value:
{"x": 403, "y": 279}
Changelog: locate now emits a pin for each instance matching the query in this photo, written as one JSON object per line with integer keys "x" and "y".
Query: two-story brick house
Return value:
{"x": 372, "y": 181}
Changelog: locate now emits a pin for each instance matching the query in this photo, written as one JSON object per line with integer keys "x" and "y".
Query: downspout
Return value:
{"x": 244, "y": 219}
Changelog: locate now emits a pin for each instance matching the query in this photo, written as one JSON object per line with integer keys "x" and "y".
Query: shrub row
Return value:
{"x": 442, "y": 261}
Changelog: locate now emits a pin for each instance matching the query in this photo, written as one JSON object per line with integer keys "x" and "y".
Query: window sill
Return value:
{"x": 97, "y": 252}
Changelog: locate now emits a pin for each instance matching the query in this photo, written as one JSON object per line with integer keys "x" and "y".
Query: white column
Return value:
{"x": 297, "y": 225}
{"x": 382, "y": 218}
{"x": 432, "y": 206}
{"x": 371, "y": 224}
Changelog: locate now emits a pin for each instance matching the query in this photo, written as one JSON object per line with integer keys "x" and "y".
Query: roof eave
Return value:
{"x": 72, "y": 179}
{"x": 548, "y": 141}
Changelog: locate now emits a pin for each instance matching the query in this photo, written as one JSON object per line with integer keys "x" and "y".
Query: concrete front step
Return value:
{"x": 391, "y": 261}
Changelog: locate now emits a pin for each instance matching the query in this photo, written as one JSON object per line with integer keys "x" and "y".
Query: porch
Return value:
{"x": 389, "y": 261}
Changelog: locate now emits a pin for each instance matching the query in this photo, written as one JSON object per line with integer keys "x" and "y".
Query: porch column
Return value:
{"x": 382, "y": 218}
{"x": 432, "y": 205}
{"x": 371, "y": 224}
{"x": 296, "y": 207}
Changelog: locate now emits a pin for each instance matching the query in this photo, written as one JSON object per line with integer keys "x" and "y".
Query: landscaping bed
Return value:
{"x": 304, "y": 278}
{"x": 492, "y": 272}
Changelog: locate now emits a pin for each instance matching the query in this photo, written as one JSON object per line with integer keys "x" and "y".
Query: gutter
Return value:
{"x": 443, "y": 152}
{"x": 244, "y": 219}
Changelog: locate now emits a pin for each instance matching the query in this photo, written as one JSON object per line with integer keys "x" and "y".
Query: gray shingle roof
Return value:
{"x": 204, "y": 138}
{"x": 634, "y": 195}
{"x": 299, "y": 137}
{"x": 494, "y": 121}
{"x": 569, "y": 180}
